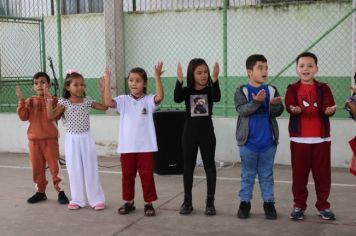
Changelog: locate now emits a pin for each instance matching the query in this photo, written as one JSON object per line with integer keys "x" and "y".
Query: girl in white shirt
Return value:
{"x": 137, "y": 136}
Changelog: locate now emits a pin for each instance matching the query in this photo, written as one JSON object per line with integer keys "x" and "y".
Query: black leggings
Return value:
{"x": 199, "y": 132}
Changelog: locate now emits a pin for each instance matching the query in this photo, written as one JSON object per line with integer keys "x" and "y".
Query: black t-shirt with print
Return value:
{"x": 198, "y": 103}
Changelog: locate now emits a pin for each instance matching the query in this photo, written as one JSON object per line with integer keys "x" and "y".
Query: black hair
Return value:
{"x": 67, "y": 81}
{"x": 253, "y": 59}
{"x": 142, "y": 73}
{"x": 307, "y": 54}
{"x": 193, "y": 64}
{"x": 41, "y": 74}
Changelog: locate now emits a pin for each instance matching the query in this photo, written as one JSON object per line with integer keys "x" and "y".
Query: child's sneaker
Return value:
{"x": 37, "y": 197}
{"x": 73, "y": 206}
{"x": 99, "y": 207}
{"x": 270, "y": 210}
{"x": 210, "y": 207}
{"x": 244, "y": 210}
{"x": 327, "y": 214}
{"x": 186, "y": 208}
{"x": 149, "y": 210}
{"x": 297, "y": 214}
{"x": 62, "y": 198}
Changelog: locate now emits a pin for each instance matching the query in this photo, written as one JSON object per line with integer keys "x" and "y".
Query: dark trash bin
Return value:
{"x": 169, "y": 127}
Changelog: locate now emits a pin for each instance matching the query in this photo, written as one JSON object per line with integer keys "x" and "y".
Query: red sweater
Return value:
{"x": 34, "y": 110}
{"x": 324, "y": 99}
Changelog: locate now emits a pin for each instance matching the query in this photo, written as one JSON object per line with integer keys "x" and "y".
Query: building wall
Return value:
{"x": 104, "y": 129}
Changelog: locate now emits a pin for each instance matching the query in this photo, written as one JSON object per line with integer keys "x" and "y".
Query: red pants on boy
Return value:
{"x": 315, "y": 158}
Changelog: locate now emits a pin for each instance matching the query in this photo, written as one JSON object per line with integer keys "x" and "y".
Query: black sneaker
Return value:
{"x": 244, "y": 210}
{"x": 37, "y": 197}
{"x": 62, "y": 198}
{"x": 297, "y": 214}
{"x": 327, "y": 214}
{"x": 186, "y": 208}
{"x": 210, "y": 208}
{"x": 270, "y": 210}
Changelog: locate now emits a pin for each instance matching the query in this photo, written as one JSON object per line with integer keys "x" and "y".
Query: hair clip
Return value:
{"x": 71, "y": 71}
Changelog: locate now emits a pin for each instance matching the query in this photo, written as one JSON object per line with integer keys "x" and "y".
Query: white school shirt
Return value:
{"x": 136, "y": 131}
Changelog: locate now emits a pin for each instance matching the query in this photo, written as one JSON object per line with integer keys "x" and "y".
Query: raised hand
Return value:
{"x": 216, "y": 70}
{"x": 159, "y": 88}
{"x": 261, "y": 95}
{"x": 19, "y": 93}
{"x": 295, "y": 109}
{"x": 352, "y": 107}
{"x": 179, "y": 73}
{"x": 102, "y": 85}
{"x": 353, "y": 88}
{"x": 158, "y": 69}
{"x": 276, "y": 100}
{"x": 46, "y": 93}
{"x": 106, "y": 77}
{"x": 330, "y": 110}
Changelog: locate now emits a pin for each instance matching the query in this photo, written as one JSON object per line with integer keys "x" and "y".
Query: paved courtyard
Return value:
{"x": 17, "y": 217}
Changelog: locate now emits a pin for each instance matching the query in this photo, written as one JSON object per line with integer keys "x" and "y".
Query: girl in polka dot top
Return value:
{"x": 137, "y": 136}
{"x": 80, "y": 150}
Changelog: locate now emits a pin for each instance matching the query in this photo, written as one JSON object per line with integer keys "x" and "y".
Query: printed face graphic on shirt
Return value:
{"x": 307, "y": 101}
{"x": 199, "y": 105}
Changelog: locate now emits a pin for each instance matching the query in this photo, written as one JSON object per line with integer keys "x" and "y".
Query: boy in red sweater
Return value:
{"x": 310, "y": 104}
{"x": 42, "y": 136}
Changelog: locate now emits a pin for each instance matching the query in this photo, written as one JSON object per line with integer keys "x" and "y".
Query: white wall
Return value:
{"x": 105, "y": 131}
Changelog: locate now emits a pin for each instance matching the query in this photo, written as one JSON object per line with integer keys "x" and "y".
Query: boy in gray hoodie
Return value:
{"x": 257, "y": 134}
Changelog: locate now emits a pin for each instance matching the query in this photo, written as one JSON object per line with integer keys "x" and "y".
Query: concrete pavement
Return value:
{"x": 17, "y": 217}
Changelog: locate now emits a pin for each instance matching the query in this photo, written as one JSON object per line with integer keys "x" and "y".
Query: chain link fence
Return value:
{"x": 177, "y": 31}
{"x": 21, "y": 56}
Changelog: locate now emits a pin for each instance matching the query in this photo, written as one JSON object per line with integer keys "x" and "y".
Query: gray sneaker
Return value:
{"x": 327, "y": 214}
{"x": 297, "y": 214}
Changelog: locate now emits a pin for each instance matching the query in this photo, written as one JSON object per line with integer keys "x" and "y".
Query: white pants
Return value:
{"x": 82, "y": 166}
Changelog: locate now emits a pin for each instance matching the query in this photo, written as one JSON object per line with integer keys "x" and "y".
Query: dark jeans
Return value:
{"x": 199, "y": 133}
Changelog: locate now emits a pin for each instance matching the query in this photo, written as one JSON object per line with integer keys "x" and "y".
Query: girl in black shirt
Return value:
{"x": 199, "y": 94}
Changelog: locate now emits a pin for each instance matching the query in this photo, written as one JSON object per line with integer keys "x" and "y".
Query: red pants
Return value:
{"x": 314, "y": 157}
{"x": 42, "y": 151}
{"x": 143, "y": 162}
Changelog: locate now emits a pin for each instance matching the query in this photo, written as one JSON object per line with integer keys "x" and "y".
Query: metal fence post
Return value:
{"x": 353, "y": 42}
{"x": 226, "y": 2}
{"x": 43, "y": 45}
{"x": 59, "y": 43}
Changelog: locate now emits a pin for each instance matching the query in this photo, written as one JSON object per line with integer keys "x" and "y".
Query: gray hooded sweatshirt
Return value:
{"x": 245, "y": 109}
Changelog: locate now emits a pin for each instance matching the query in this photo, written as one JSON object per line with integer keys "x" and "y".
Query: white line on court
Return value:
{"x": 196, "y": 176}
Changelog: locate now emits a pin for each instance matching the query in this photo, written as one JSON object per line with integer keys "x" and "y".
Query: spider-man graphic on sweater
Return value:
{"x": 310, "y": 120}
